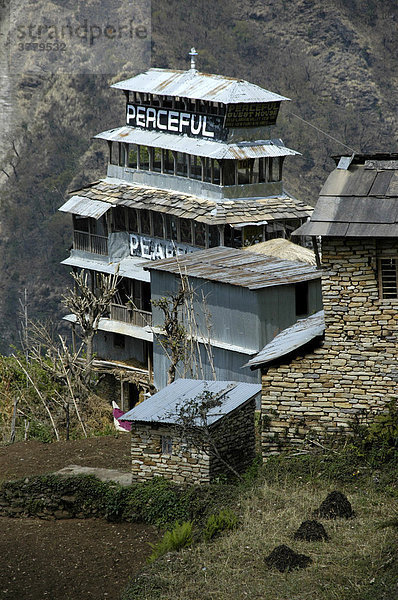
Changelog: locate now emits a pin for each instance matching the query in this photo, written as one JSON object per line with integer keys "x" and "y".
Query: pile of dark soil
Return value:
{"x": 284, "y": 559}
{"x": 311, "y": 531}
{"x": 335, "y": 505}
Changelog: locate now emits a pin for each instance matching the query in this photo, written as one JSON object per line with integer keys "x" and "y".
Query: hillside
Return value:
{"x": 336, "y": 60}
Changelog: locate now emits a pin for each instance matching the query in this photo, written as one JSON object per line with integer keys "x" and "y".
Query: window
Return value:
{"x": 200, "y": 234}
{"x": 132, "y": 158}
{"x": 157, "y": 162}
{"x": 168, "y": 162}
{"x": 181, "y": 164}
{"x": 145, "y": 222}
{"x": 195, "y": 167}
{"x": 232, "y": 237}
{"x": 119, "y": 218}
{"x": 167, "y": 444}
{"x": 301, "y": 292}
{"x": 118, "y": 340}
{"x": 157, "y": 225}
{"x": 388, "y": 278}
{"x": 186, "y": 231}
{"x": 132, "y": 220}
{"x": 144, "y": 158}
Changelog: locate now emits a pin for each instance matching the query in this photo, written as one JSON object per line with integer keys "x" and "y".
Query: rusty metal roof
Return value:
{"x": 237, "y": 267}
{"x": 163, "y": 406}
{"x": 212, "y": 212}
{"x": 199, "y": 86}
{"x": 197, "y": 146}
{"x": 361, "y": 201}
{"x": 290, "y": 339}
{"x": 85, "y": 207}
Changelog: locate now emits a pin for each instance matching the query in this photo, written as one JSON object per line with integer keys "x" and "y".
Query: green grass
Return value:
{"x": 356, "y": 560}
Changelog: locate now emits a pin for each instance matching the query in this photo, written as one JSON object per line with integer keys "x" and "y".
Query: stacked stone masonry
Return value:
{"x": 233, "y": 436}
{"x": 354, "y": 372}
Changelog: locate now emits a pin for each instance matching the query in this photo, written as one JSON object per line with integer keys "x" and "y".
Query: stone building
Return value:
{"x": 160, "y": 448}
{"x": 193, "y": 166}
{"x": 323, "y": 372}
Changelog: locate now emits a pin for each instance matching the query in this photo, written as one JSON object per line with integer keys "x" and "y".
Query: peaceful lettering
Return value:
{"x": 172, "y": 121}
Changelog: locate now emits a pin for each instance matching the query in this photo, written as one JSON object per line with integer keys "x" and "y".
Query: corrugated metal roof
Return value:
{"x": 141, "y": 333}
{"x": 212, "y": 212}
{"x": 85, "y": 207}
{"x": 197, "y": 146}
{"x": 290, "y": 339}
{"x": 128, "y": 267}
{"x": 163, "y": 406}
{"x": 237, "y": 267}
{"x": 195, "y": 85}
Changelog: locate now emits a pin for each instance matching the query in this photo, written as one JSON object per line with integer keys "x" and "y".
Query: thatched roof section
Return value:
{"x": 281, "y": 248}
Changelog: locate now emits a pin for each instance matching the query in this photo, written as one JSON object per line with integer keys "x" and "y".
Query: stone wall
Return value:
{"x": 355, "y": 369}
{"x": 234, "y": 437}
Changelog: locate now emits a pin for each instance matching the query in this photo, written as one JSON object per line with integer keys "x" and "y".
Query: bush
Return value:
{"x": 173, "y": 540}
{"x": 224, "y": 520}
{"x": 377, "y": 442}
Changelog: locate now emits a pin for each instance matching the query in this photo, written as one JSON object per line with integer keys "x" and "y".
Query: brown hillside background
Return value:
{"x": 337, "y": 60}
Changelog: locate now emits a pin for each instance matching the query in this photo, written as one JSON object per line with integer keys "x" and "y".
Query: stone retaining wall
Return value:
{"x": 355, "y": 370}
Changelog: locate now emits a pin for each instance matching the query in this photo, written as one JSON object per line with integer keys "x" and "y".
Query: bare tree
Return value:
{"x": 89, "y": 305}
{"x": 193, "y": 423}
{"x": 175, "y": 335}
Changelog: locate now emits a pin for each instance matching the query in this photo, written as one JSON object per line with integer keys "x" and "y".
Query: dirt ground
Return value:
{"x": 69, "y": 559}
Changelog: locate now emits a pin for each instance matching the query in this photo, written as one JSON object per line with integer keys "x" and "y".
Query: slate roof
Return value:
{"x": 212, "y": 212}
{"x": 358, "y": 201}
{"x": 237, "y": 267}
{"x": 162, "y": 407}
{"x": 290, "y": 339}
{"x": 196, "y": 85}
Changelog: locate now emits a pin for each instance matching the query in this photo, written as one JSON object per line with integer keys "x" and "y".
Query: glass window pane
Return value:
{"x": 132, "y": 162}
{"x": 119, "y": 218}
{"x": 132, "y": 217}
{"x": 157, "y": 225}
{"x": 171, "y": 227}
{"x": 145, "y": 222}
{"x": 185, "y": 230}
{"x": 144, "y": 158}
{"x": 200, "y": 234}
{"x": 214, "y": 239}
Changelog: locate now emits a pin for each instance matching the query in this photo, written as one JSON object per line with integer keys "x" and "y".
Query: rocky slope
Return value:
{"x": 336, "y": 60}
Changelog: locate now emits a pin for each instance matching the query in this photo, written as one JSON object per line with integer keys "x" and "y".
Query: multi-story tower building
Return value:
{"x": 193, "y": 167}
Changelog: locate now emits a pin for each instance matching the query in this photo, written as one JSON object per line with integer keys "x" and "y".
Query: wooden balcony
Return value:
{"x": 130, "y": 315}
{"x": 89, "y": 242}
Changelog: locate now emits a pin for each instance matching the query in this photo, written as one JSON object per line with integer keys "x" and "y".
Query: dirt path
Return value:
{"x": 69, "y": 559}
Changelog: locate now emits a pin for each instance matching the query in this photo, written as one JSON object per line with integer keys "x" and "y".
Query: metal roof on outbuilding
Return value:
{"x": 237, "y": 267}
{"x": 197, "y": 86}
{"x": 163, "y": 406}
{"x": 358, "y": 201}
{"x": 197, "y": 146}
{"x": 290, "y": 339}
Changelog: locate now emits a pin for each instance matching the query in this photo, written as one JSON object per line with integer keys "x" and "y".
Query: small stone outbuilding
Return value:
{"x": 160, "y": 446}
{"x": 322, "y": 373}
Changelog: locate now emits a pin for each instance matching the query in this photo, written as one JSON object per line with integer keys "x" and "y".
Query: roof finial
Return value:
{"x": 192, "y": 54}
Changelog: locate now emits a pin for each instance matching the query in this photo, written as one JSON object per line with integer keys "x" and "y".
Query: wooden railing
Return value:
{"x": 130, "y": 315}
{"x": 89, "y": 242}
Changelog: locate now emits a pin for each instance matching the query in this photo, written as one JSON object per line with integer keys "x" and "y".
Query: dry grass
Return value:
{"x": 233, "y": 566}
